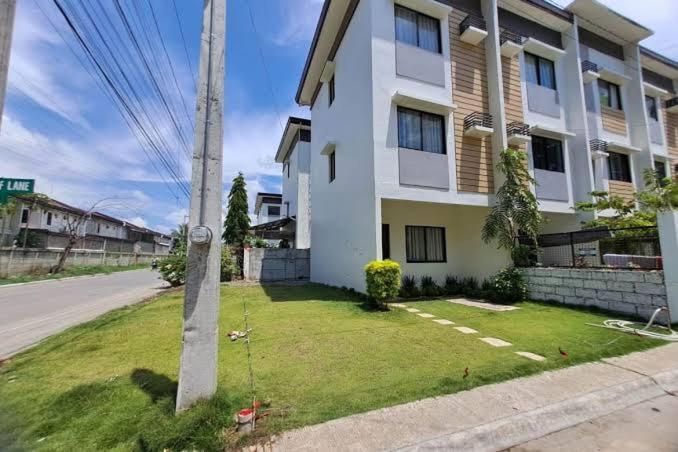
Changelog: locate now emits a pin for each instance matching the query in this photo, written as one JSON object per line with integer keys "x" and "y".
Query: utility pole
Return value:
{"x": 200, "y": 341}
{"x": 7, "y": 11}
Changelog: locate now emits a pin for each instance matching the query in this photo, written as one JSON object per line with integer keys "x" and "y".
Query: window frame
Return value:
{"x": 543, "y": 141}
{"x": 426, "y": 260}
{"x": 418, "y": 15}
{"x": 49, "y": 219}
{"x": 25, "y": 213}
{"x": 331, "y": 91}
{"x": 655, "y": 108}
{"x": 538, "y": 59}
{"x": 627, "y": 163}
{"x": 332, "y": 159}
{"x": 421, "y": 130}
{"x": 268, "y": 211}
{"x": 617, "y": 88}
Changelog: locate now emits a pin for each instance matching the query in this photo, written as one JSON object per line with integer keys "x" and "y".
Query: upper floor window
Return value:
{"x": 619, "y": 167}
{"x": 547, "y": 154}
{"x": 651, "y": 107}
{"x": 610, "y": 95}
{"x": 421, "y": 131}
{"x": 331, "y": 90}
{"x": 274, "y": 211}
{"x": 540, "y": 71}
{"x": 417, "y": 29}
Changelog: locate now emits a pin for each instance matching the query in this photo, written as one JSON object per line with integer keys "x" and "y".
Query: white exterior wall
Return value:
{"x": 467, "y": 254}
{"x": 290, "y": 184}
{"x": 296, "y": 192}
{"x": 264, "y": 217}
{"x": 346, "y": 217}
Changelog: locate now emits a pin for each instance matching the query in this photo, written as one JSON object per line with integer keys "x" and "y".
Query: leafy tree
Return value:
{"x": 660, "y": 194}
{"x": 237, "y": 222}
{"x": 516, "y": 210}
{"x": 623, "y": 212}
{"x": 179, "y": 238}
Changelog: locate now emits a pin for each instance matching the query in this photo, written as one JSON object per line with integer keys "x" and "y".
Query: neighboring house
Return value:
{"x": 413, "y": 100}
{"x": 268, "y": 207}
{"x": 50, "y": 220}
{"x": 294, "y": 152}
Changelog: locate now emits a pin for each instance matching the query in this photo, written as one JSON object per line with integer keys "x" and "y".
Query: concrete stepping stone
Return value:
{"x": 443, "y": 321}
{"x": 532, "y": 356}
{"x": 465, "y": 330}
{"x": 494, "y": 342}
{"x": 412, "y": 310}
{"x": 397, "y": 305}
{"x": 483, "y": 305}
{"x": 426, "y": 316}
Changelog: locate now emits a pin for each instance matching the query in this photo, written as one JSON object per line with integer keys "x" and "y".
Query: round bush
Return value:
{"x": 383, "y": 281}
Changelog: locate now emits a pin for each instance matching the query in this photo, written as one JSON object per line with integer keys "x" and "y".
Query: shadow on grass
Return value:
{"x": 282, "y": 292}
{"x": 158, "y": 387}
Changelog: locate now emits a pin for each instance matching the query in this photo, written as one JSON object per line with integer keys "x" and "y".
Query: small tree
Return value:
{"x": 516, "y": 210}
{"x": 660, "y": 194}
{"x": 179, "y": 238}
{"x": 237, "y": 222}
{"x": 625, "y": 214}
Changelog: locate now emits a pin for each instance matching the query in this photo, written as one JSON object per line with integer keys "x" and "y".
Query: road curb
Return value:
{"x": 65, "y": 279}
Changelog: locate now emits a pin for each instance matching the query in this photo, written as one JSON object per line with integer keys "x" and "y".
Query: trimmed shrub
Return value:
{"x": 470, "y": 287}
{"x": 452, "y": 285}
{"x": 408, "y": 288}
{"x": 429, "y": 288}
{"x": 509, "y": 286}
{"x": 173, "y": 269}
{"x": 383, "y": 281}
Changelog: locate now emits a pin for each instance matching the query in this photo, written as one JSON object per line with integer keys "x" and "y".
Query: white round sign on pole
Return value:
{"x": 200, "y": 235}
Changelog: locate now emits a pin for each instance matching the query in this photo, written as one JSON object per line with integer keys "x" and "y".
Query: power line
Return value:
{"x": 183, "y": 40}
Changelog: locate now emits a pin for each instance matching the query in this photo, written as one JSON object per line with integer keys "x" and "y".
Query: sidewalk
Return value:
{"x": 500, "y": 416}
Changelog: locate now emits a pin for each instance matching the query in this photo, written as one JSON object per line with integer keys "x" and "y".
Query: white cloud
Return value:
{"x": 137, "y": 221}
{"x": 300, "y": 23}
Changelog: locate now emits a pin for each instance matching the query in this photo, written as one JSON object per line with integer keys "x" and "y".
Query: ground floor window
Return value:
{"x": 425, "y": 244}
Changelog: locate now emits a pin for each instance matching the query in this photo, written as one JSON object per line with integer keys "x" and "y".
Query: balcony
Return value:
{"x": 598, "y": 146}
{"x": 511, "y": 43}
{"x": 478, "y": 125}
{"x": 672, "y": 105}
{"x": 589, "y": 71}
{"x": 518, "y": 133}
{"x": 472, "y": 30}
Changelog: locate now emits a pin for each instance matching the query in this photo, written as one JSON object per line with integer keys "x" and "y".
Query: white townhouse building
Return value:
{"x": 413, "y": 100}
{"x": 268, "y": 207}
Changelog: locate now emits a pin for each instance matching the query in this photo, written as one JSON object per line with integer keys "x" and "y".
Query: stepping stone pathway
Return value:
{"x": 412, "y": 310}
{"x": 465, "y": 329}
{"x": 531, "y": 356}
{"x": 398, "y": 305}
{"x": 426, "y": 316}
{"x": 493, "y": 341}
{"x": 443, "y": 321}
{"x": 483, "y": 305}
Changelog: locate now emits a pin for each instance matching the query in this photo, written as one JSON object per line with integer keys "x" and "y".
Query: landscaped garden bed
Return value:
{"x": 318, "y": 353}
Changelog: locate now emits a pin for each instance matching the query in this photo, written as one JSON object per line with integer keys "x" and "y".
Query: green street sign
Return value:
{"x": 9, "y": 187}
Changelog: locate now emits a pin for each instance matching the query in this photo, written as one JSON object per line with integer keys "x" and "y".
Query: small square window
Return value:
{"x": 24, "y": 216}
{"x": 332, "y": 159}
{"x": 547, "y": 154}
{"x": 274, "y": 211}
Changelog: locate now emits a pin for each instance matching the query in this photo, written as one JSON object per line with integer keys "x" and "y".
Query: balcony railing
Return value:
{"x": 598, "y": 145}
{"x": 586, "y": 65}
{"x": 477, "y": 119}
{"x": 472, "y": 21}
{"x": 518, "y": 128}
{"x": 510, "y": 36}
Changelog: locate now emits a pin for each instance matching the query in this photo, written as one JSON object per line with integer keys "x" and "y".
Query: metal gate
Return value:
{"x": 277, "y": 264}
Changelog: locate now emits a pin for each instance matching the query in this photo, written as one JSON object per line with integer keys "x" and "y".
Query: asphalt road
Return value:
{"x": 32, "y": 312}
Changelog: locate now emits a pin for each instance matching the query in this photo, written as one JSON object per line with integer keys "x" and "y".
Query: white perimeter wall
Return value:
{"x": 345, "y": 215}
{"x": 467, "y": 254}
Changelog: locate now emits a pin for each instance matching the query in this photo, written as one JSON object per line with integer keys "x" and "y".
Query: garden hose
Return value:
{"x": 626, "y": 326}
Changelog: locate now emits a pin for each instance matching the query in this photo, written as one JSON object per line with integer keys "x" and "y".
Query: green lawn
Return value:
{"x": 317, "y": 354}
{"x": 73, "y": 271}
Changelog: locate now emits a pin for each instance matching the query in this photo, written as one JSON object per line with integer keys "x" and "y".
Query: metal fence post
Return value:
{"x": 572, "y": 248}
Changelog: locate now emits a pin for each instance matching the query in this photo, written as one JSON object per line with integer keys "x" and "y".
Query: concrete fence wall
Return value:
{"x": 631, "y": 292}
{"x": 17, "y": 262}
{"x": 276, "y": 264}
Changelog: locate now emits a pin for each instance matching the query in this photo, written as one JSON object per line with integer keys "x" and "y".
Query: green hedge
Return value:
{"x": 383, "y": 281}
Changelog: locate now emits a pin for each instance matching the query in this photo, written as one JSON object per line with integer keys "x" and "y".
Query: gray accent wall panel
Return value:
{"x": 423, "y": 169}
{"x": 543, "y": 100}
{"x": 551, "y": 185}
{"x": 420, "y": 64}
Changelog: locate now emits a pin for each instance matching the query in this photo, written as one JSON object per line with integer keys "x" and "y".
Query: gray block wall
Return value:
{"x": 276, "y": 264}
{"x": 630, "y": 292}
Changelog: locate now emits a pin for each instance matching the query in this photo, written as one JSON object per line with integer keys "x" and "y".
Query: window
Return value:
{"x": 24, "y": 216}
{"x": 287, "y": 208}
{"x": 333, "y": 169}
{"x": 331, "y": 88}
{"x": 660, "y": 169}
{"x": 610, "y": 95}
{"x": 49, "y": 218}
{"x": 417, "y": 29}
{"x": 425, "y": 244}
{"x": 547, "y": 154}
{"x": 618, "y": 165}
{"x": 651, "y": 107}
{"x": 540, "y": 71}
{"x": 421, "y": 131}
{"x": 385, "y": 241}
{"x": 274, "y": 211}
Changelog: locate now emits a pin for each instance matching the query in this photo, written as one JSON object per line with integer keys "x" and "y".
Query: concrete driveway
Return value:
{"x": 32, "y": 312}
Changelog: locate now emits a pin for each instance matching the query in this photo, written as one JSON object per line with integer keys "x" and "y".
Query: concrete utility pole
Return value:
{"x": 7, "y": 10}
{"x": 198, "y": 368}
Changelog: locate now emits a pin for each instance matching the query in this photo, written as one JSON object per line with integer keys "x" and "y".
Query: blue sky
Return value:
{"x": 59, "y": 128}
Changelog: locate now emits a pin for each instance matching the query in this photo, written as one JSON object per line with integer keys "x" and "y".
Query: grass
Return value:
{"x": 317, "y": 354}
{"x": 82, "y": 270}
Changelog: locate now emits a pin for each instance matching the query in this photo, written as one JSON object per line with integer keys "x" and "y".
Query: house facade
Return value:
{"x": 413, "y": 100}
{"x": 268, "y": 207}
